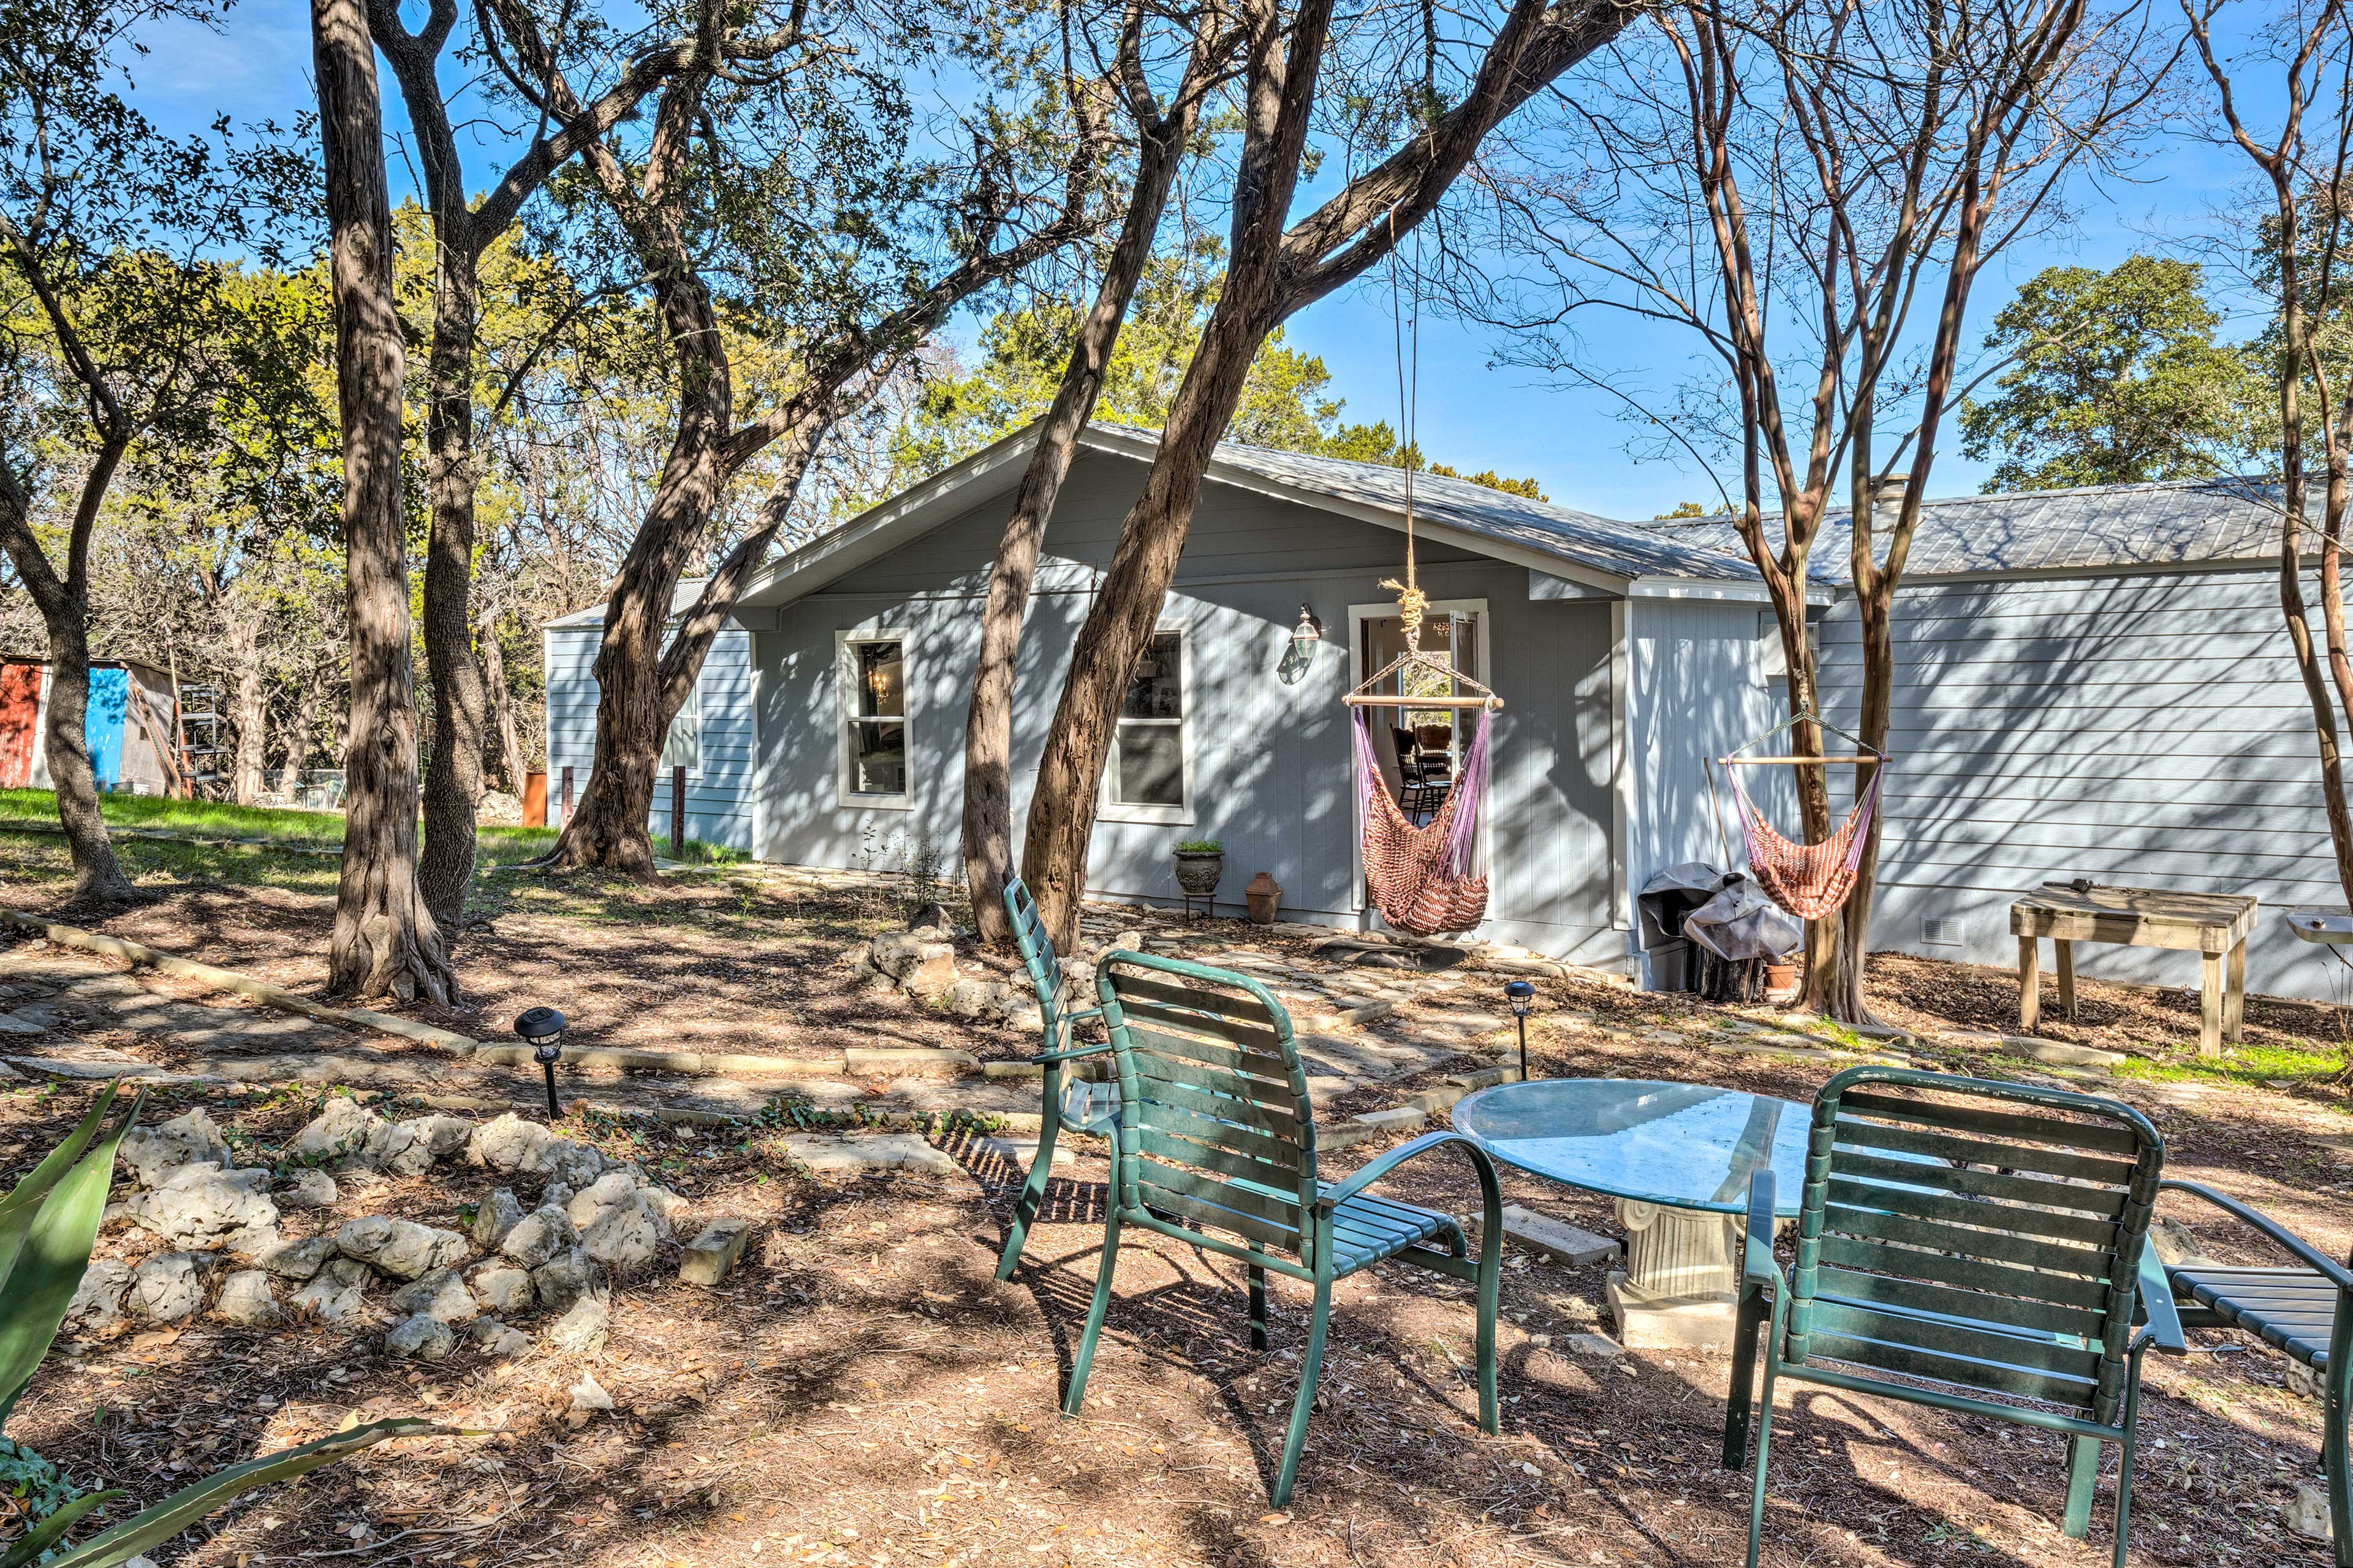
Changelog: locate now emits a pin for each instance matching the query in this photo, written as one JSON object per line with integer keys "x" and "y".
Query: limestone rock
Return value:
{"x": 972, "y": 999}
{"x": 509, "y": 1144}
{"x": 497, "y": 1340}
{"x": 346, "y": 1136}
{"x": 710, "y": 1257}
{"x": 899, "y": 953}
{"x": 203, "y": 1206}
{"x": 495, "y": 1217}
{"x": 2176, "y": 1244}
{"x": 429, "y": 1140}
{"x": 312, "y": 1189}
{"x": 350, "y": 1273}
{"x": 539, "y": 1235}
{"x": 667, "y": 1204}
{"x": 246, "y": 1297}
{"x": 297, "y": 1260}
{"x": 502, "y": 1287}
{"x": 588, "y": 1395}
{"x": 401, "y": 1248}
{"x": 626, "y": 1235}
{"x": 560, "y": 1282}
{"x": 329, "y": 1299}
{"x": 931, "y": 980}
{"x": 168, "y": 1287}
{"x": 441, "y": 1295}
{"x": 98, "y": 1301}
{"x": 582, "y": 1329}
{"x": 422, "y": 1338}
{"x": 2307, "y": 1513}
{"x": 154, "y": 1152}
{"x": 607, "y": 1191}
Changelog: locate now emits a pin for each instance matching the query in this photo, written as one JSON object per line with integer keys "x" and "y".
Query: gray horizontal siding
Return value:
{"x": 718, "y": 793}
{"x": 2145, "y": 728}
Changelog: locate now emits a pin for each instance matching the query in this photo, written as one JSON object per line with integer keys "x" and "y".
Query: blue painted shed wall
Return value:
{"x": 2141, "y": 728}
{"x": 718, "y": 793}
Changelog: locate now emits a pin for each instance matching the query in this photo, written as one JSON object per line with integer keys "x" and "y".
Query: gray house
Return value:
{"x": 2090, "y": 683}
{"x": 828, "y": 724}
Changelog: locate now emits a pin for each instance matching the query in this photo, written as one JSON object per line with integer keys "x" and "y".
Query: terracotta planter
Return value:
{"x": 1782, "y": 979}
{"x": 1199, "y": 873}
{"x": 1264, "y": 896}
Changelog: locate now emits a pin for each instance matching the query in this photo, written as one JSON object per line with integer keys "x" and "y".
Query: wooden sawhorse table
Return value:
{"x": 2214, "y": 925}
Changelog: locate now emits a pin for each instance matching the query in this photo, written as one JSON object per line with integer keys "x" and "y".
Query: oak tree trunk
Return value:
{"x": 64, "y": 605}
{"x": 385, "y": 941}
{"x": 453, "y": 777}
{"x": 988, "y": 722}
{"x": 250, "y": 713}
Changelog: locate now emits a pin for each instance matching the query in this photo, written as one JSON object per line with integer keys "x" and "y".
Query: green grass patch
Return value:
{"x": 2303, "y": 1062}
{"x": 697, "y": 853}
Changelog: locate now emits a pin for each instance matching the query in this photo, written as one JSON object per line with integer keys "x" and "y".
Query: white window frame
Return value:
{"x": 692, "y": 707}
{"x": 845, "y": 683}
{"x": 1359, "y": 615}
{"x": 1110, "y": 809}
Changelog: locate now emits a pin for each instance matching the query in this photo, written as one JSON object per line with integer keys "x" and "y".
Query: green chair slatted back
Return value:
{"x": 1038, "y": 956}
{"x": 1077, "y": 1095}
{"x": 1988, "y": 1238}
{"x": 2013, "y": 1269}
{"x": 1217, "y": 1127}
{"x": 1216, "y": 1147}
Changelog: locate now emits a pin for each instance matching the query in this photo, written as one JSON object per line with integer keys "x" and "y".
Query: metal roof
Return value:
{"x": 1621, "y": 549}
{"x": 2097, "y": 528}
{"x": 681, "y": 601}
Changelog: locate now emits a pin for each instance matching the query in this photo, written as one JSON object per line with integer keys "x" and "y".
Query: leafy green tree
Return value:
{"x": 1286, "y": 401}
{"x": 2115, "y": 378}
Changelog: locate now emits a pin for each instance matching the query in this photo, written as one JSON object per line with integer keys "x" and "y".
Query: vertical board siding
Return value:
{"x": 1695, "y": 693}
{"x": 719, "y": 794}
{"x": 1272, "y": 771}
{"x": 2147, "y": 729}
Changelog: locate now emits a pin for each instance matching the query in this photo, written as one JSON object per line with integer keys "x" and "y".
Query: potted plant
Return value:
{"x": 1200, "y": 862}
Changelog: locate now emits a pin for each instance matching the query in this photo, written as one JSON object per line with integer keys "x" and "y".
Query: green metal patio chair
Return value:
{"x": 1989, "y": 1239}
{"x": 1072, "y": 1099}
{"x": 1216, "y": 1132}
{"x": 2306, "y": 1313}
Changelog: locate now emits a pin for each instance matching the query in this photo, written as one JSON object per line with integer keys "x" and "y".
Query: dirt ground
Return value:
{"x": 864, "y": 1393}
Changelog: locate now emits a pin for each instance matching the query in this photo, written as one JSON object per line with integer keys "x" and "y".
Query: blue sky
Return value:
{"x": 1470, "y": 416}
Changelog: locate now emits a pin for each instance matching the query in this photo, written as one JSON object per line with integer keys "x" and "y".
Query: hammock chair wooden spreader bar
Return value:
{"x": 1364, "y": 696}
{"x": 1810, "y": 880}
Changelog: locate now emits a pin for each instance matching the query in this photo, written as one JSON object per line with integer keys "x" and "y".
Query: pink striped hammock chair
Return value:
{"x": 1810, "y": 880}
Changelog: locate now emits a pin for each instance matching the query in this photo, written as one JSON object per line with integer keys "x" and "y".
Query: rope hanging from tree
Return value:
{"x": 1430, "y": 879}
{"x": 1810, "y": 880}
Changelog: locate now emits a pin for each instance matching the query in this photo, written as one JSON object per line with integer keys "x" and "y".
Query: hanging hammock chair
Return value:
{"x": 1810, "y": 880}
{"x": 1430, "y": 878}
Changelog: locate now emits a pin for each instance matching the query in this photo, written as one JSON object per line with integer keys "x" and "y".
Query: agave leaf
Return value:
{"x": 182, "y": 1509}
{"x": 44, "y": 1535}
{"x": 46, "y": 1175}
{"x": 17, "y": 1210}
{"x": 53, "y": 1253}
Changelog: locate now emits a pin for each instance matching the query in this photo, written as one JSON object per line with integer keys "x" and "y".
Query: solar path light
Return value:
{"x": 1520, "y": 992}
{"x": 543, "y": 1028}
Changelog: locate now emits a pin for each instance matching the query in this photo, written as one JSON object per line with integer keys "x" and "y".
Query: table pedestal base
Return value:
{"x": 1680, "y": 1288}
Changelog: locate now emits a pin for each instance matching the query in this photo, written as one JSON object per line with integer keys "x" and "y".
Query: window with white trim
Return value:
{"x": 1150, "y": 775}
{"x": 874, "y": 758}
{"x": 682, "y": 747}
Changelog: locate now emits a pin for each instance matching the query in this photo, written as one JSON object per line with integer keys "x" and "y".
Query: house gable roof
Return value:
{"x": 1536, "y": 534}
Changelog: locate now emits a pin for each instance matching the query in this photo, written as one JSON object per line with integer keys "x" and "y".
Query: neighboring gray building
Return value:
{"x": 828, "y": 728}
{"x": 2090, "y": 683}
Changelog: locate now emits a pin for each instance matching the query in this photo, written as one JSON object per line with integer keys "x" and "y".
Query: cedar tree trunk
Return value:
{"x": 384, "y": 942}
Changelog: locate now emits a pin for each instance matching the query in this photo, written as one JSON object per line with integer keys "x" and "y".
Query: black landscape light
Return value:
{"x": 544, "y": 1028}
{"x": 1520, "y": 992}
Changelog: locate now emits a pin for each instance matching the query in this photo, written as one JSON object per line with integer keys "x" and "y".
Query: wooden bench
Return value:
{"x": 2214, "y": 925}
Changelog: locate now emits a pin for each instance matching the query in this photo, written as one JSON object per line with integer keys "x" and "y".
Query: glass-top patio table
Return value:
{"x": 1677, "y": 1157}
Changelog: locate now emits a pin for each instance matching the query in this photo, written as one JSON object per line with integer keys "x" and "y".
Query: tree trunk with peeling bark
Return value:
{"x": 988, "y": 719}
{"x": 385, "y": 942}
{"x": 453, "y": 778}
